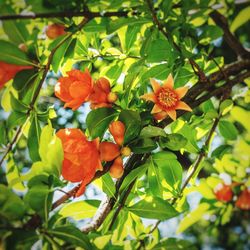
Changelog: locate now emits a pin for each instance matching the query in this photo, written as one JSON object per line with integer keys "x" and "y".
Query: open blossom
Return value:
{"x": 223, "y": 192}
{"x": 102, "y": 95}
{"x": 8, "y": 71}
{"x": 55, "y": 30}
{"x": 166, "y": 99}
{"x": 110, "y": 151}
{"x": 243, "y": 201}
{"x": 81, "y": 157}
{"x": 75, "y": 88}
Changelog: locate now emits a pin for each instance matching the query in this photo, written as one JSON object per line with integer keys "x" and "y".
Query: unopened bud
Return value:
{"x": 112, "y": 97}
{"x": 125, "y": 151}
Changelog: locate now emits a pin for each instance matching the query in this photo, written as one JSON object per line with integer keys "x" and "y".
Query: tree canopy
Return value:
{"x": 122, "y": 121}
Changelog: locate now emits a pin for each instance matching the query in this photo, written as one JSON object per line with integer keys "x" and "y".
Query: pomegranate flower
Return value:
{"x": 166, "y": 99}
{"x": 75, "y": 88}
{"x": 243, "y": 201}
{"x": 81, "y": 157}
{"x": 102, "y": 95}
{"x": 223, "y": 192}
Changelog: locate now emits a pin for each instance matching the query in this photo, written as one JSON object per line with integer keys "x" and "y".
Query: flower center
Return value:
{"x": 167, "y": 98}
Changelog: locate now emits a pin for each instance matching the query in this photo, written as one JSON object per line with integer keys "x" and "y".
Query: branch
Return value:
{"x": 86, "y": 14}
{"x": 230, "y": 39}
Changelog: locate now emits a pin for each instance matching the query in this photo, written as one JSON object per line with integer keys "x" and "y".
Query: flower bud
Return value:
{"x": 117, "y": 129}
{"x": 55, "y": 30}
{"x": 112, "y": 97}
{"x": 108, "y": 151}
{"x": 125, "y": 151}
{"x": 116, "y": 170}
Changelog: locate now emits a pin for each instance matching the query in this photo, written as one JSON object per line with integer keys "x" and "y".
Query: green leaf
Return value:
{"x": 240, "y": 19}
{"x": 159, "y": 72}
{"x": 72, "y": 235}
{"x": 97, "y": 25}
{"x": 132, "y": 122}
{"x": 228, "y": 130}
{"x": 153, "y": 208}
{"x": 154, "y": 178}
{"x": 59, "y": 54}
{"x": 226, "y": 106}
{"x": 210, "y": 33}
{"x": 193, "y": 217}
{"x": 135, "y": 173}
{"x": 98, "y": 121}
{"x": 17, "y": 105}
{"x": 143, "y": 145}
{"x": 16, "y": 119}
{"x": 118, "y": 23}
{"x": 221, "y": 150}
{"x": 108, "y": 185}
{"x": 11, "y": 206}
{"x": 173, "y": 142}
{"x": 174, "y": 244}
{"x": 164, "y": 166}
{"x": 50, "y": 151}
{"x": 80, "y": 209}
{"x": 39, "y": 196}
{"x": 160, "y": 50}
{"x": 23, "y": 78}
{"x": 130, "y": 37}
{"x": 34, "y": 138}
{"x": 11, "y": 54}
{"x": 16, "y": 31}
{"x": 152, "y": 131}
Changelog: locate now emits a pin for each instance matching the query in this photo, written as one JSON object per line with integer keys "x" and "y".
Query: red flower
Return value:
{"x": 166, "y": 99}
{"x": 81, "y": 157}
{"x": 74, "y": 89}
{"x": 102, "y": 95}
{"x": 55, "y": 30}
{"x": 8, "y": 71}
{"x": 243, "y": 201}
{"x": 223, "y": 192}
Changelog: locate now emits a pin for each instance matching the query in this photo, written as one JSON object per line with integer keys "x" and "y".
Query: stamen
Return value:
{"x": 167, "y": 98}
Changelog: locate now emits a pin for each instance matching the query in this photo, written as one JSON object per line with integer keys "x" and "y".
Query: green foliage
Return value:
{"x": 128, "y": 43}
{"x": 98, "y": 121}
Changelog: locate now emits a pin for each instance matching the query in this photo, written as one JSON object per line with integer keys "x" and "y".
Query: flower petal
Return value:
{"x": 183, "y": 106}
{"x": 172, "y": 114}
{"x": 155, "y": 85}
{"x": 181, "y": 91}
{"x": 169, "y": 82}
{"x": 156, "y": 109}
{"x": 149, "y": 97}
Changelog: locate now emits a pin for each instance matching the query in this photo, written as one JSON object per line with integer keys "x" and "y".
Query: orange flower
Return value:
{"x": 81, "y": 157}
{"x": 8, "y": 71}
{"x": 75, "y": 88}
{"x": 166, "y": 99}
{"x": 243, "y": 201}
{"x": 55, "y": 30}
{"x": 223, "y": 192}
{"x": 102, "y": 95}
